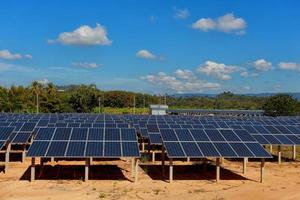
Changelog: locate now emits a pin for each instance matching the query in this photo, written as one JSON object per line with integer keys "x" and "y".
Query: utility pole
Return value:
{"x": 99, "y": 104}
{"x": 37, "y": 102}
{"x": 134, "y": 105}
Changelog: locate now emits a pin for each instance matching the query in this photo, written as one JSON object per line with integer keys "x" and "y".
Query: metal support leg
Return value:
{"x": 32, "y": 170}
{"x": 23, "y": 153}
{"x": 279, "y": 154}
{"x": 245, "y": 161}
{"x": 171, "y": 171}
{"x": 262, "y": 170}
{"x": 217, "y": 169}
{"x": 132, "y": 167}
{"x": 271, "y": 149}
{"x": 143, "y": 146}
{"x": 136, "y": 170}
{"x": 294, "y": 152}
{"x": 52, "y": 160}
{"x": 188, "y": 159}
{"x": 153, "y": 156}
{"x": 86, "y": 169}
{"x": 7, "y": 157}
{"x": 163, "y": 160}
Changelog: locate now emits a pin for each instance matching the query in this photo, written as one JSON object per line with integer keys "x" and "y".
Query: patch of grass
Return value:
{"x": 102, "y": 195}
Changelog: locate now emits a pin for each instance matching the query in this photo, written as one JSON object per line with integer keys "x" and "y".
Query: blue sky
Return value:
{"x": 153, "y": 46}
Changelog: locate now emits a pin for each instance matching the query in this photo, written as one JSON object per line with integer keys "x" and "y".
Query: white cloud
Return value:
{"x": 181, "y": 13}
{"x": 29, "y": 56}
{"x": 145, "y": 54}
{"x": 289, "y": 66}
{"x": 227, "y": 23}
{"x": 246, "y": 74}
{"x": 184, "y": 74}
{"x": 153, "y": 19}
{"x": 84, "y": 35}
{"x": 246, "y": 87}
{"x": 180, "y": 86}
{"x": 87, "y": 65}
{"x": 43, "y": 81}
{"x": 217, "y": 70}
{"x": 6, "y": 54}
{"x": 262, "y": 65}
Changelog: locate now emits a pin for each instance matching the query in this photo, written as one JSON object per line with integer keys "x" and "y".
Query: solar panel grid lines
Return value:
{"x": 78, "y": 143}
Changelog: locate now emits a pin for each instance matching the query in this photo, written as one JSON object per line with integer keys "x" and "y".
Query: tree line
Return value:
{"x": 48, "y": 98}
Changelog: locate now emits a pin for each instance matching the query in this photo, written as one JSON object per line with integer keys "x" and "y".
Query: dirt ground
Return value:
{"x": 112, "y": 180}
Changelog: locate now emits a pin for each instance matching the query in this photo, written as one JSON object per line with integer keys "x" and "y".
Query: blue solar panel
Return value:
{"x": 257, "y": 150}
{"x": 229, "y": 135}
{"x": 199, "y": 135}
{"x": 214, "y": 135}
{"x": 208, "y": 149}
{"x": 75, "y": 149}
{"x": 128, "y": 134}
{"x": 174, "y": 149}
{"x": 96, "y": 134}
{"x": 44, "y": 134}
{"x": 38, "y": 149}
{"x": 168, "y": 135}
{"x": 112, "y": 134}
{"x": 184, "y": 135}
{"x": 225, "y": 149}
{"x": 62, "y": 134}
{"x": 79, "y": 134}
{"x": 21, "y": 138}
{"x": 112, "y": 149}
{"x": 94, "y": 149}
{"x": 57, "y": 149}
{"x": 130, "y": 149}
{"x": 191, "y": 149}
{"x": 242, "y": 150}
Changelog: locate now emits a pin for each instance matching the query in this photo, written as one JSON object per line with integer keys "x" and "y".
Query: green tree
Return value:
{"x": 281, "y": 105}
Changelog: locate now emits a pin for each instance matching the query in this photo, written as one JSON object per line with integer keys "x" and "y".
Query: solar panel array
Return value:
{"x": 84, "y": 142}
{"x": 71, "y": 134}
{"x": 201, "y": 143}
{"x": 5, "y": 133}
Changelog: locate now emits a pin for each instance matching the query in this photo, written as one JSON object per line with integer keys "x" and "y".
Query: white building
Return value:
{"x": 158, "y": 109}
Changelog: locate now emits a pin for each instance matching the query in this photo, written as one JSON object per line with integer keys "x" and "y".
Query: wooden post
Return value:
{"x": 217, "y": 169}
{"x": 143, "y": 146}
{"x": 163, "y": 159}
{"x": 86, "y": 169}
{"x": 294, "y": 152}
{"x": 245, "y": 161}
{"x": 136, "y": 170}
{"x": 132, "y": 167}
{"x": 7, "y": 157}
{"x": 23, "y": 153}
{"x": 32, "y": 170}
{"x": 279, "y": 154}
{"x": 171, "y": 170}
{"x": 262, "y": 170}
{"x": 153, "y": 156}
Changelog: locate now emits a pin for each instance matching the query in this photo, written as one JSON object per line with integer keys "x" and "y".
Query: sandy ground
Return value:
{"x": 112, "y": 180}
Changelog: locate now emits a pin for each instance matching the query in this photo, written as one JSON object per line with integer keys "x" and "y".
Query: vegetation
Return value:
{"x": 281, "y": 105}
{"x": 90, "y": 99}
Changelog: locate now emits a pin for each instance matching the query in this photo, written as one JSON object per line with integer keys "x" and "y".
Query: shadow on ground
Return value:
{"x": 75, "y": 172}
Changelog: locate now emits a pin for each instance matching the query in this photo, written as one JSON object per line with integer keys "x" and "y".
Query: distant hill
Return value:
{"x": 187, "y": 95}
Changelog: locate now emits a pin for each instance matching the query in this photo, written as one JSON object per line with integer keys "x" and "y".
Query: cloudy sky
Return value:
{"x": 153, "y": 46}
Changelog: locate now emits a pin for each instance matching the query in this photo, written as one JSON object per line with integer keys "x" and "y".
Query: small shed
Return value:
{"x": 158, "y": 109}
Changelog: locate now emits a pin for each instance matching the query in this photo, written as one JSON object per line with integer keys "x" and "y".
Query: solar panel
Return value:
{"x": 201, "y": 143}
{"x": 84, "y": 142}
